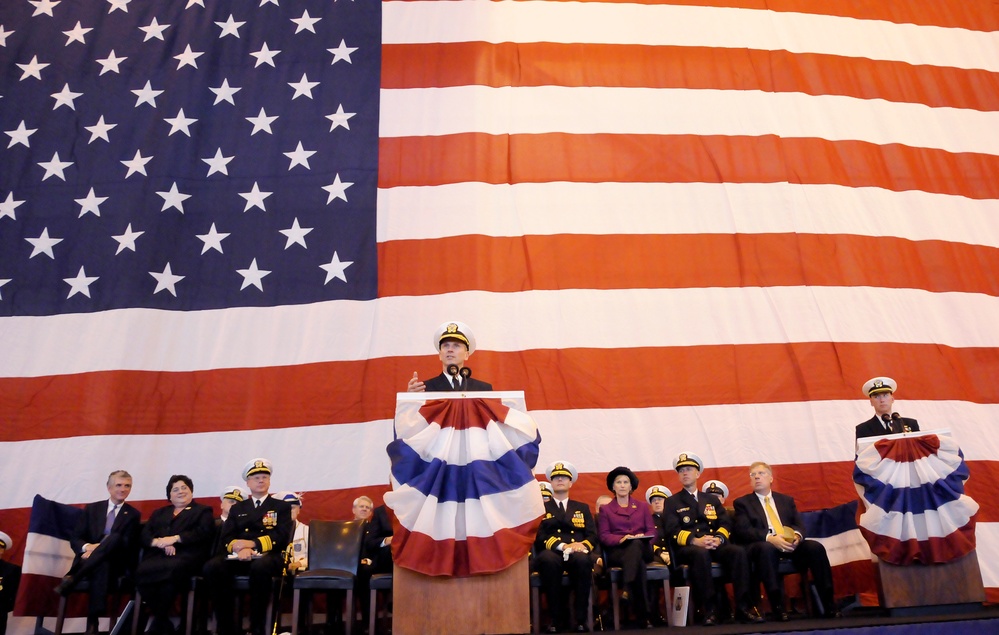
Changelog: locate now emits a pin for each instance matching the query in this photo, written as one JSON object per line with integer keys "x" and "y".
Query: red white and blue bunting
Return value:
{"x": 912, "y": 487}
{"x": 463, "y": 486}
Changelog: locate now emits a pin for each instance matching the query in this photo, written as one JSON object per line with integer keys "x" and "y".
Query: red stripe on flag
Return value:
{"x": 626, "y": 158}
{"x": 673, "y": 261}
{"x": 695, "y": 67}
{"x": 134, "y": 402}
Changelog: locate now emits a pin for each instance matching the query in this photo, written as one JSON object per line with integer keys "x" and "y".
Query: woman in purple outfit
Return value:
{"x": 626, "y": 532}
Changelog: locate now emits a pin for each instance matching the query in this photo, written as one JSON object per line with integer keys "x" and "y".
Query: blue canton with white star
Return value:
{"x": 187, "y": 154}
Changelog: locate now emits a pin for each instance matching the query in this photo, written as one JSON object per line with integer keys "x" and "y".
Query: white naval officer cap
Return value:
{"x": 878, "y": 385}
{"x": 562, "y": 468}
{"x": 657, "y": 490}
{"x": 454, "y": 330}
{"x": 289, "y": 497}
{"x": 715, "y": 487}
{"x": 257, "y": 466}
{"x": 234, "y": 493}
{"x": 685, "y": 459}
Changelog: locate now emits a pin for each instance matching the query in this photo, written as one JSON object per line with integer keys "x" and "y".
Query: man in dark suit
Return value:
{"x": 768, "y": 524}
{"x": 700, "y": 528}
{"x": 10, "y": 579}
{"x": 106, "y": 543}
{"x": 377, "y": 547}
{"x": 376, "y": 554}
{"x": 253, "y": 541}
{"x": 566, "y": 542}
{"x": 881, "y": 392}
{"x": 455, "y": 344}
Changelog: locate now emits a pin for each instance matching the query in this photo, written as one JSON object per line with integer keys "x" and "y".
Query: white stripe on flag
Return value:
{"x": 305, "y": 457}
{"x": 300, "y": 334}
{"x": 677, "y": 111}
{"x": 46, "y": 555}
{"x": 544, "y": 209}
{"x": 848, "y": 546}
{"x": 574, "y": 22}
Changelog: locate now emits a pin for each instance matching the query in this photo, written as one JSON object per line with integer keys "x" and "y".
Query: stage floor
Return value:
{"x": 861, "y": 621}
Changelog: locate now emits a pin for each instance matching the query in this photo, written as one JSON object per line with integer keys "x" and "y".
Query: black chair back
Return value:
{"x": 335, "y": 544}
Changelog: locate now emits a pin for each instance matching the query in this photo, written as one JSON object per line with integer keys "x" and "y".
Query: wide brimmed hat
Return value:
{"x": 618, "y": 471}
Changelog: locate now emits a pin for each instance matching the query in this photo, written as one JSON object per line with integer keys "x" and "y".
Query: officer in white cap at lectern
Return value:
{"x": 881, "y": 392}
{"x": 455, "y": 343}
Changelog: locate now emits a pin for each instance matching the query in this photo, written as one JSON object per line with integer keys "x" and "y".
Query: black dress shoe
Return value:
{"x": 780, "y": 616}
{"x": 710, "y": 620}
{"x": 581, "y": 628}
{"x": 551, "y": 629}
{"x": 832, "y": 615}
{"x": 750, "y": 616}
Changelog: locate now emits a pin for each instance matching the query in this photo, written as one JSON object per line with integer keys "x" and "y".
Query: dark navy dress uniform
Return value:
{"x": 270, "y": 527}
{"x": 559, "y": 528}
{"x": 687, "y": 518}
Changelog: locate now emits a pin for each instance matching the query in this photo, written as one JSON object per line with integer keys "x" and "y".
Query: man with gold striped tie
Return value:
{"x": 768, "y": 524}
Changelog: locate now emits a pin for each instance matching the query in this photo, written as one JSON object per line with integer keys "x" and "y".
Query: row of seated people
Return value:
{"x": 257, "y": 535}
{"x": 691, "y": 528}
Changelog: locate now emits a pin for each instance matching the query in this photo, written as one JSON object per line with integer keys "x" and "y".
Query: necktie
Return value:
{"x": 457, "y": 383}
{"x": 256, "y": 503}
{"x": 772, "y": 515}
{"x": 110, "y": 520}
{"x": 561, "y": 507}
{"x": 889, "y": 424}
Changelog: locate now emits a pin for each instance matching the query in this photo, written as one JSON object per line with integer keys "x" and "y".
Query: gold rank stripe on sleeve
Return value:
{"x": 588, "y": 545}
{"x": 683, "y": 536}
{"x": 228, "y": 547}
{"x": 265, "y": 544}
{"x": 723, "y": 532}
{"x": 551, "y": 542}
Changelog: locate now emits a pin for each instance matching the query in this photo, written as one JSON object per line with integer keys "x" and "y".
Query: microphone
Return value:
{"x": 899, "y": 424}
{"x": 452, "y": 369}
{"x": 888, "y": 422}
{"x": 466, "y": 372}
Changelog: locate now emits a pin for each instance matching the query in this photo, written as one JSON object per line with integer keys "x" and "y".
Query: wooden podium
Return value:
{"x": 950, "y": 583}
{"x": 957, "y": 583}
{"x": 495, "y": 604}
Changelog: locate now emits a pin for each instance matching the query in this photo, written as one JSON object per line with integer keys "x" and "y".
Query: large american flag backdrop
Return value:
{"x": 228, "y": 227}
